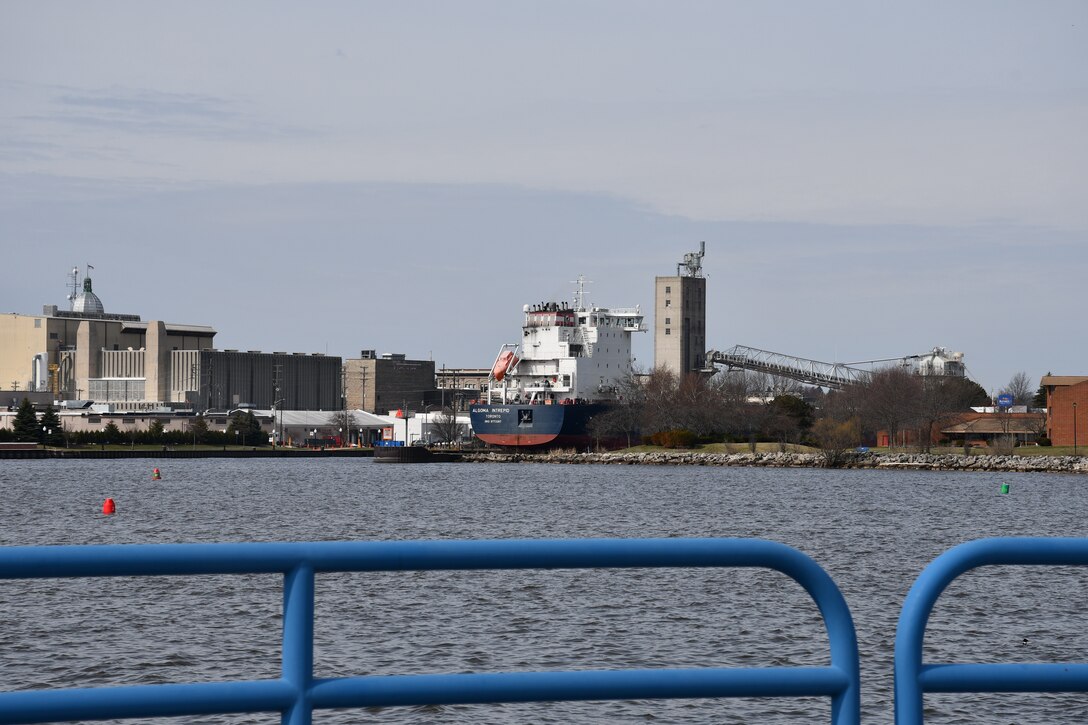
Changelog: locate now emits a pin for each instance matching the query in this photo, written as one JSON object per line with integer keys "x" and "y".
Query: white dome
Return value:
{"x": 88, "y": 301}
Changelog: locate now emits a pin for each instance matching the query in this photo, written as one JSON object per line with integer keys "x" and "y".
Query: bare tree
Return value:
{"x": 445, "y": 425}
{"x": 659, "y": 408}
{"x": 888, "y": 401}
{"x": 838, "y": 440}
{"x": 1020, "y": 388}
{"x": 343, "y": 420}
{"x": 942, "y": 400}
{"x": 625, "y": 420}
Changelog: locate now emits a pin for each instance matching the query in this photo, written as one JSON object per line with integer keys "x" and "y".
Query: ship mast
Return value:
{"x": 580, "y": 295}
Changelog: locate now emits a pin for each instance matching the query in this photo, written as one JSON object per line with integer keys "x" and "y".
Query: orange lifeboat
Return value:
{"x": 503, "y": 362}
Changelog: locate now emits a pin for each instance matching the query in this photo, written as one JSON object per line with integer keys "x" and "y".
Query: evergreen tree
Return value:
{"x": 245, "y": 427}
{"x": 1039, "y": 401}
{"x": 25, "y": 425}
{"x": 155, "y": 431}
{"x": 53, "y": 435}
{"x": 198, "y": 429}
{"x": 111, "y": 434}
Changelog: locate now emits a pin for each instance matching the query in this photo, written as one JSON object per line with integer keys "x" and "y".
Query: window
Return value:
{"x": 37, "y": 324}
{"x": 668, "y": 320}
{"x": 53, "y": 336}
{"x": 668, "y": 290}
{"x": 668, "y": 331}
{"x": 668, "y": 303}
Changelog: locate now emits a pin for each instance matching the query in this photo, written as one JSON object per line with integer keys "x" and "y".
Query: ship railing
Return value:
{"x": 913, "y": 678}
{"x": 296, "y": 693}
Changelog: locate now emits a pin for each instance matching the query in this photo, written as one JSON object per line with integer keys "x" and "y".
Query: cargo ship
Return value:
{"x": 569, "y": 367}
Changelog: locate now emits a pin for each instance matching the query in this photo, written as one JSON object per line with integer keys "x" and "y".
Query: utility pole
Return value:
{"x": 277, "y": 375}
{"x": 344, "y": 403}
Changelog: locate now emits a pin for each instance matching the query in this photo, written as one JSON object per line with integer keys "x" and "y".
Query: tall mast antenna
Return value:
{"x": 580, "y": 295}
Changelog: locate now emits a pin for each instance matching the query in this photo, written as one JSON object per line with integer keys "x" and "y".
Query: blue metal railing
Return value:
{"x": 297, "y": 692}
{"x": 913, "y": 679}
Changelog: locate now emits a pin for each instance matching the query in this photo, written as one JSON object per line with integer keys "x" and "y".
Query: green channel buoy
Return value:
{"x": 1004, "y": 488}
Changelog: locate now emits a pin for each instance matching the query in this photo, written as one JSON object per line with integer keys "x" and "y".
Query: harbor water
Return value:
{"x": 872, "y": 531}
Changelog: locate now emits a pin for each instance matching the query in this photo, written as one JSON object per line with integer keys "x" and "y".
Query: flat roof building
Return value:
{"x": 87, "y": 353}
{"x": 1066, "y": 409}
{"x": 389, "y": 382}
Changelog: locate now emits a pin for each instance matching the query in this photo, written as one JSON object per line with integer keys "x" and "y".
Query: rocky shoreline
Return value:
{"x": 891, "y": 461}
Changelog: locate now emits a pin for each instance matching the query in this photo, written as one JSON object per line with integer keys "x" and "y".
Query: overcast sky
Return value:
{"x": 872, "y": 179}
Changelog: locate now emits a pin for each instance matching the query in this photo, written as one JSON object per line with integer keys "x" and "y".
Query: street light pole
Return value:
{"x": 1074, "y": 427}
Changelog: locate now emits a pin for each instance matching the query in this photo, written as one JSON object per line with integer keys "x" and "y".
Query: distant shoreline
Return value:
{"x": 180, "y": 452}
{"x": 871, "y": 461}
{"x": 867, "y": 461}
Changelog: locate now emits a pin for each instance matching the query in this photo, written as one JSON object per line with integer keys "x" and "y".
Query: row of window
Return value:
{"x": 97, "y": 420}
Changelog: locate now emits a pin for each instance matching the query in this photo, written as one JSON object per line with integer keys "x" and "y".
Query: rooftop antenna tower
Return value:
{"x": 580, "y": 295}
{"x": 73, "y": 286}
{"x": 692, "y": 266}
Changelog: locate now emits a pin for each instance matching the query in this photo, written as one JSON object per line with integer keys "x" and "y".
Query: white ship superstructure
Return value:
{"x": 567, "y": 354}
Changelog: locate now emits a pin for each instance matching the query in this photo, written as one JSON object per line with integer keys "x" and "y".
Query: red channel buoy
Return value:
{"x": 108, "y": 507}
{"x": 155, "y": 476}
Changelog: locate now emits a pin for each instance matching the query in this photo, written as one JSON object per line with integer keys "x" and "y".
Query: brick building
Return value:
{"x": 1067, "y": 409}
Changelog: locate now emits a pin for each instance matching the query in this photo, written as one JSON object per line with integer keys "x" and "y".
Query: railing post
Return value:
{"x": 913, "y": 678}
{"x": 298, "y": 641}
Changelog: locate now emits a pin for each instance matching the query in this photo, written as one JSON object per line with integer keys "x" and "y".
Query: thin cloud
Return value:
{"x": 157, "y": 113}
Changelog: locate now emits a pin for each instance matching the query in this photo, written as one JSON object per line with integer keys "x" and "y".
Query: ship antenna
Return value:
{"x": 580, "y": 295}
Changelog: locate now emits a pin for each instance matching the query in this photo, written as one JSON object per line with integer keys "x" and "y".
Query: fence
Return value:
{"x": 913, "y": 678}
{"x": 297, "y": 692}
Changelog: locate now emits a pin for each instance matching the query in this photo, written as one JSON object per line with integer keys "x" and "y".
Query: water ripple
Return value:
{"x": 872, "y": 531}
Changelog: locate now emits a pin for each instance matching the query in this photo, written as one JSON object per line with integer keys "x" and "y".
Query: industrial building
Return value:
{"x": 88, "y": 353}
{"x": 125, "y": 364}
{"x": 680, "y": 317}
{"x": 225, "y": 379}
{"x": 390, "y": 382}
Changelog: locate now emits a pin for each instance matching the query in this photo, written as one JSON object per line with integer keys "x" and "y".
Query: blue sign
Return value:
{"x": 1004, "y": 400}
